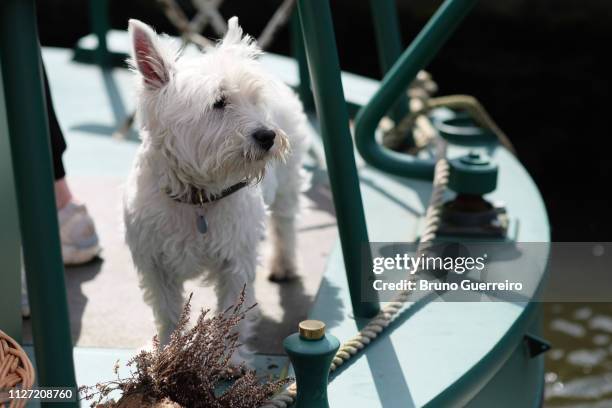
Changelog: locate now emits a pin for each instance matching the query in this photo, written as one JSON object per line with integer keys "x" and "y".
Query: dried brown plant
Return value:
{"x": 190, "y": 369}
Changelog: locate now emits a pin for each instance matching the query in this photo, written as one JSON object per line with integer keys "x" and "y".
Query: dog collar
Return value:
{"x": 198, "y": 197}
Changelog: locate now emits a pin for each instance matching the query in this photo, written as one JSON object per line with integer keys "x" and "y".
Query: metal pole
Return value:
{"x": 98, "y": 15}
{"x": 297, "y": 49}
{"x": 10, "y": 241}
{"x": 389, "y": 46}
{"x": 324, "y": 68}
{"x": 31, "y": 154}
{"x": 420, "y": 52}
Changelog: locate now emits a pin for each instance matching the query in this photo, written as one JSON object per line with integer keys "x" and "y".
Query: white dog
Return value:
{"x": 222, "y": 142}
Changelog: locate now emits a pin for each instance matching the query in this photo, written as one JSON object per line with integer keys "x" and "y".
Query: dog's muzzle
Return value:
{"x": 264, "y": 138}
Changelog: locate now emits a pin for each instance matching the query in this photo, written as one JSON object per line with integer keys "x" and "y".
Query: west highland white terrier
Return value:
{"x": 222, "y": 143}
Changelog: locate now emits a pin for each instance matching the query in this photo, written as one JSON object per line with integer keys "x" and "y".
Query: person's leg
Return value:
{"x": 77, "y": 231}
{"x": 58, "y": 144}
{"x": 63, "y": 195}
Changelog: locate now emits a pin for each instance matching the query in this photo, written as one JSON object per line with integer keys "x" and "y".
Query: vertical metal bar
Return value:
{"x": 31, "y": 153}
{"x": 297, "y": 49}
{"x": 98, "y": 15}
{"x": 10, "y": 245}
{"x": 420, "y": 52}
{"x": 324, "y": 68}
{"x": 389, "y": 46}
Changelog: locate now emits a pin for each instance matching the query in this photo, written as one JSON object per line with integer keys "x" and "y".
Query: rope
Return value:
{"x": 208, "y": 13}
{"x": 210, "y": 8}
{"x": 179, "y": 19}
{"x": 392, "y": 309}
{"x": 200, "y": 21}
{"x": 15, "y": 369}
{"x": 466, "y": 102}
{"x": 279, "y": 19}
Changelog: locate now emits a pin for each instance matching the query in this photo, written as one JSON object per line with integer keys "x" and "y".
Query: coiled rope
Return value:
{"x": 392, "y": 309}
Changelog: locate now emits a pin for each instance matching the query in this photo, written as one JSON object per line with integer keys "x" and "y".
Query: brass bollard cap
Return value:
{"x": 312, "y": 329}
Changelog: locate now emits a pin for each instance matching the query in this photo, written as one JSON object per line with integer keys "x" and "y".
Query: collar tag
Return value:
{"x": 201, "y": 222}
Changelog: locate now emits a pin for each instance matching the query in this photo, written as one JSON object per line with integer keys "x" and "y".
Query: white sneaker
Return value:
{"x": 78, "y": 235}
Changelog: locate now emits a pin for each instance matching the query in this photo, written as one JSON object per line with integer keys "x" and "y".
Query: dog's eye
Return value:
{"x": 220, "y": 103}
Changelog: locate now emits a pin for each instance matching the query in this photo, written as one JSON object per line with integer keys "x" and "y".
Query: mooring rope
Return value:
{"x": 392, "y": 309}
{"x": 465, "y": 102}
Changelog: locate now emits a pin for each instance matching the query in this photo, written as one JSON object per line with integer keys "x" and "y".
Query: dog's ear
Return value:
{"x": 233, "y": 35}
{"x": 234, "y": 39}
{"x": 148, "y": 56}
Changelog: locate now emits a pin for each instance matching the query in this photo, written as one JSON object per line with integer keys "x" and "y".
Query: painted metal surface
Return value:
{"x": 311, "y": 359}
{"x": 10, "y": 239}
{"x": 473, "y": 173}
{"x": 100, "y": 27}
{"x": 324, "y": 68}
{"x": 420, "y": 52}
{"x": 389, "y": 47}
{"x": 31, "y": 153}
{"x": 297, "y": 49}
{"x": 438, "y": 354}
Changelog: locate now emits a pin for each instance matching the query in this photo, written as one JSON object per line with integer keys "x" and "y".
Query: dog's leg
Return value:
{"x": 231, "y": 281}
{"x": 283, "y": 266}
{"x": 165, "y": 296}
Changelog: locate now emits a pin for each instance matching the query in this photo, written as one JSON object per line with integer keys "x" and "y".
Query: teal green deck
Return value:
{"x": 442, "y": 355}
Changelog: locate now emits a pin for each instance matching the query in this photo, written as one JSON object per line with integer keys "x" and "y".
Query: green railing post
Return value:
{"x": 10, "y": 241}
{"x": 420, "y": 52}
{"x": 100, "y": 26}
{"x": 297, "y": 49}
{"x": 98, "y": 16}
{"x": 31, "y": 154}
{"x": 389, "y": 46}
{"x": 324, "y": 68}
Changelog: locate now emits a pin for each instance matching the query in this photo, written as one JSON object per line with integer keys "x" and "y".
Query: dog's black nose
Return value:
{"x": 264, "y": 138}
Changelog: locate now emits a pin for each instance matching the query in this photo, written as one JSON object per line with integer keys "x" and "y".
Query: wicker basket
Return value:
{"x": 16, "y": 370}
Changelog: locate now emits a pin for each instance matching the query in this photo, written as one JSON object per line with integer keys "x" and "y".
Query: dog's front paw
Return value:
{"x": 282, "y": 272}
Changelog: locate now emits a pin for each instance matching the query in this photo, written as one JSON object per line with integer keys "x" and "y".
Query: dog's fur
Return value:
{"x": 188, "y": 142}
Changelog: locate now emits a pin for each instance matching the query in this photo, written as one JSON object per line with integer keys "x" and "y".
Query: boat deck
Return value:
{"x": 442, "y": 353}
{"x": 107, "y": 313}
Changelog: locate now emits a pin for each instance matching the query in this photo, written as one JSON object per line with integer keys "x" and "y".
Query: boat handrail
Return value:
{"x": 420, "y": 52}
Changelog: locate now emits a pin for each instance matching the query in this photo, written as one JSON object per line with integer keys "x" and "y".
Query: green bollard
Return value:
{"x": 311, "y": 352}
{"x": 473, "y": 173}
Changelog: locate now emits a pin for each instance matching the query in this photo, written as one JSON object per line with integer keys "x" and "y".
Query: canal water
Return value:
{"x": 579, "y": 366}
